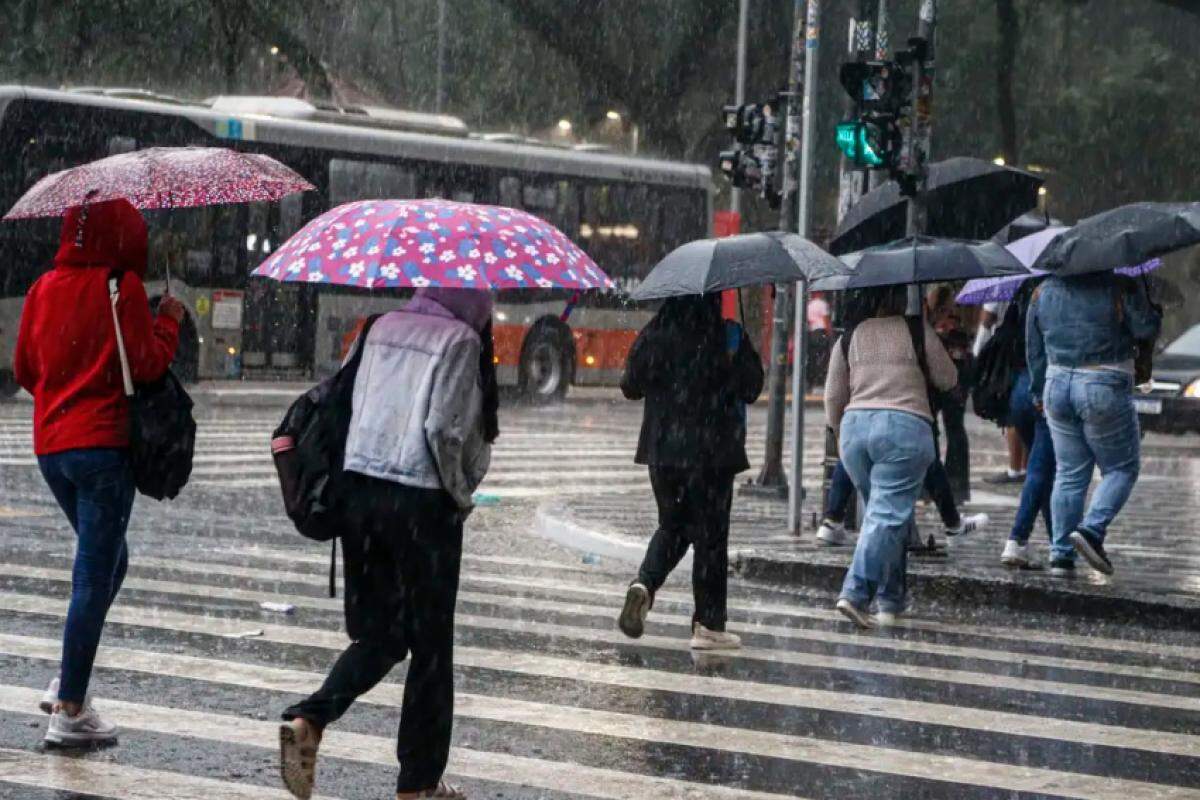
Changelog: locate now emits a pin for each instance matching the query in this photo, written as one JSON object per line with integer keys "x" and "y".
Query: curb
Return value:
{"x": 975, "y": 590}
{"x": 550, "y": 523}
{"x": 553, "y": 521}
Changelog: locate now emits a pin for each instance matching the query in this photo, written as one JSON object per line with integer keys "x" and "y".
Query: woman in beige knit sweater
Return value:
{"x": 877, "y": 399}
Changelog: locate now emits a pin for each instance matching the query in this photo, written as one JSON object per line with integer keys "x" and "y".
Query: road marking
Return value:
{"x": 652, "y": 729}
{"x": 95, "y": 777}
{"x": 156, "y": 617}
{"x": 538, "y": 773}
{"x": 777, "y": 631}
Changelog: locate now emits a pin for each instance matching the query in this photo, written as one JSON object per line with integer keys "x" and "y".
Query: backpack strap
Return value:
{"x": 114, "y": 295}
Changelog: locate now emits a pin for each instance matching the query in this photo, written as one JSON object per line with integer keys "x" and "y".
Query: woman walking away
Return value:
{"x": 424, "y": 418}
{"x": 1080, "y": 340}
{"x": 66, "y": 357}
{"x": 696, "y": 374}
{"x": 877, "y": 397}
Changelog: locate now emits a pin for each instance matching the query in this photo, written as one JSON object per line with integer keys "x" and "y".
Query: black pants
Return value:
{"x": 403, "y": 549}
{"x": 958, "y": 446}
{"x": 693, "y": 510}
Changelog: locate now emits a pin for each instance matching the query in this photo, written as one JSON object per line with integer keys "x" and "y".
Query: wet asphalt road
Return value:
{"x": 553, "y": 701}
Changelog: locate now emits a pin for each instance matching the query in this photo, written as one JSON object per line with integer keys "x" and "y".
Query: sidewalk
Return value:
{"x": 1155, "y": 546}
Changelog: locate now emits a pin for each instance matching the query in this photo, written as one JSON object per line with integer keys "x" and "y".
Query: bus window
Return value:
{"x": 368, "y": 180}
{"x": 510, "y": 191}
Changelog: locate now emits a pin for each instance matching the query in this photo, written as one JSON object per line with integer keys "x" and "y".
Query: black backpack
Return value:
{"x": 997, "y": 366}
{"x": 309, "y": 448}
{"x": 162, "y": 430}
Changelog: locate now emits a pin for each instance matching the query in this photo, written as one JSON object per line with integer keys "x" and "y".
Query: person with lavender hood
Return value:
{"x": 424, "y": 419}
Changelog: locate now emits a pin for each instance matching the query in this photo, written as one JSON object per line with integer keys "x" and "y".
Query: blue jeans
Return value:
{"x": 1093, "y": 424}
{"x": 937, "y": 485}
{"x": 1039, "y": 477}
{"x": 887, "y": 454}
{"x": 95, "y": 489}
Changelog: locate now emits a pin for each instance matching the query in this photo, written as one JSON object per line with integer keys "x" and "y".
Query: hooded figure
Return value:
{"x": 696, "y": 374}
{"x": 66, "y": 357}
{"x": 424, "y": 417}
{"x": 66, "y": 354}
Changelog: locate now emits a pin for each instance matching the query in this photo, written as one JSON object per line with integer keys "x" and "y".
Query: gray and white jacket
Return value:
{"x": 417, "y": 409}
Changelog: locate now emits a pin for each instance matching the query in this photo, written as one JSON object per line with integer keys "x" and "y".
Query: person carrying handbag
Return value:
{"x": 67, "y": 358}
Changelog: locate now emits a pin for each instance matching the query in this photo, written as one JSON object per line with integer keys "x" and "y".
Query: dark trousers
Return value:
{"x": 403, "y": 550}
{"x": 1039, "y": 476}
{"x": 958, "y": 446}
{"x": 937, "y": 486}
{"x": 693, "y": 510}
{"x": 95, "y": 489}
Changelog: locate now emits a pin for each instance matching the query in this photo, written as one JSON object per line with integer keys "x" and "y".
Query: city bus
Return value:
{"x": 626, "y": 212}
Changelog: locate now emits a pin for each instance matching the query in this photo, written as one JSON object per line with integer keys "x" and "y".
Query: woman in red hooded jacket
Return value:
{"x": 67, "y": 358}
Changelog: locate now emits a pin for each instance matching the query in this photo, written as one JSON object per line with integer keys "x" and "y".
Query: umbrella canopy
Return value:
{"x": 382, "y": 244}
{"x": 967, "y": 199}
{"x": 1026, "y": 225}
{"x": 923, "y": 259}
{"x": 1027, "y": 250}
{"x": 1131, "y": 234}
{"x": 162, "y": 177}
{"x": 751, "y": 259}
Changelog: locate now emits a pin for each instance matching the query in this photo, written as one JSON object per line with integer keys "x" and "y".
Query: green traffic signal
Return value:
{"x": 854, "y": 139}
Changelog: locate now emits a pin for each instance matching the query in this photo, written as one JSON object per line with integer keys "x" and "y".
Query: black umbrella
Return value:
{"x": 1026, "y": 225}
{"x": 923, "y": 259}
{"x": 1124, "y": 236}
{"x": 751, "y": 259}
{"x": 967, "y": 199}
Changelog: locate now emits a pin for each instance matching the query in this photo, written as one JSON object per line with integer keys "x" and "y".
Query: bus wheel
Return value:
{"x": 8, "y": 383}
{"x": 547, "y": 363}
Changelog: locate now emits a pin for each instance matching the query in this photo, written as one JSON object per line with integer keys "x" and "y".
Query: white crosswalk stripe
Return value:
{"x": 527, "y": 462}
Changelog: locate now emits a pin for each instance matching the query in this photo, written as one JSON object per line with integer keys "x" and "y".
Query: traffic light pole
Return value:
{"x": 812, "y": 50}
{"x": 920, "y": 132}
{"x": 771, "y": 480}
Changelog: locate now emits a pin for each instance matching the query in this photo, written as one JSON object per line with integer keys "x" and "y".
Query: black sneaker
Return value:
{"x": 632, "y": 621}
{"x": 1090, "y": 547}
{"x": 1062, "y": 568}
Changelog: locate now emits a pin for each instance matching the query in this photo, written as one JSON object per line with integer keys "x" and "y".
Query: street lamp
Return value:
{"x": 999, "y": 161}
{"x": 613, "y": 116}
{"x": 564, "y": 126}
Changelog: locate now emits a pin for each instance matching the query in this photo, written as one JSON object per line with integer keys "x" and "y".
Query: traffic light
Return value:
{"x": 882, "y": 94}
{"x": 751, "y": 163}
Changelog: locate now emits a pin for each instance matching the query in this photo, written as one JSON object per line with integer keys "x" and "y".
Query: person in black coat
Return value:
{"x": 696, "y": 374}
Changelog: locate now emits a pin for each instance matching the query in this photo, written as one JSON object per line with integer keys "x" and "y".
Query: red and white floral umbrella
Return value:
{"x": 163, "y": 177}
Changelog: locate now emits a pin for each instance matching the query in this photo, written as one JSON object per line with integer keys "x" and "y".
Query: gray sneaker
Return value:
{"x": 831, "y": 534}
{"x": 82, "y": 730}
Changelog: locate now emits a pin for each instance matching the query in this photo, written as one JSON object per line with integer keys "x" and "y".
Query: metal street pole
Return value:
{"x": 917, "y": 140}
{"x": 771, "y": 480}
{"x": 735, "y": 204}
{"x": 800, "y": 323}
{"x": 440, "y": 101}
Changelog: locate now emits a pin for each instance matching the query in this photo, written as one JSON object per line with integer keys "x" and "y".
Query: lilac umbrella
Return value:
{"x": 386, "y": 244}
{"x": 1027, "y": 249}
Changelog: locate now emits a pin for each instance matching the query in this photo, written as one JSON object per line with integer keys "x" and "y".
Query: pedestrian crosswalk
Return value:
{"x": 546, "y": 453}
{"x": 554, "y": 703}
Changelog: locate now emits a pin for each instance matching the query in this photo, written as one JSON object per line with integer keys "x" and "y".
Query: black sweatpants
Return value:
{"x": 403, "y": 550}
{"x": 693, "y": 510}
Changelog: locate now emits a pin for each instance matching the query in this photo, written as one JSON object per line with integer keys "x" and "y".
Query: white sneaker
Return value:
{"x": 50, "y": 698}
{"x": 831, "y": 534}
{"x": 82, "y": 730}
{"x": 886, "y": 619}
{"x": 969, "y": 524}
{"x": 298, "y": 745}
{"x": 854, "y": 613}
{"x": 704, "y": 639}
{"x": 1015, "y": 554}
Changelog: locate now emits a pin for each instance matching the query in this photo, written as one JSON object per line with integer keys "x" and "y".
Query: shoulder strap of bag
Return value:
{"x": 114, "y": 294}
{"x": 916, "y": 331}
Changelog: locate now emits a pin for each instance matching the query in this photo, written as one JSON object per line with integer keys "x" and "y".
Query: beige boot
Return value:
{"x": 298, "y": 742}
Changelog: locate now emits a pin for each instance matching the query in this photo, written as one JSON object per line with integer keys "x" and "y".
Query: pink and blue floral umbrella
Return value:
{"x": 383, "y": 244}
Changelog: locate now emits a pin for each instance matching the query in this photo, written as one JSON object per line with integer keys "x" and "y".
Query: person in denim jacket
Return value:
{"x": 1080, "y": 344}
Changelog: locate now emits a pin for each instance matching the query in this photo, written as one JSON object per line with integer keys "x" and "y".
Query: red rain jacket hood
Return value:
{"x": 66, "y": 354}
